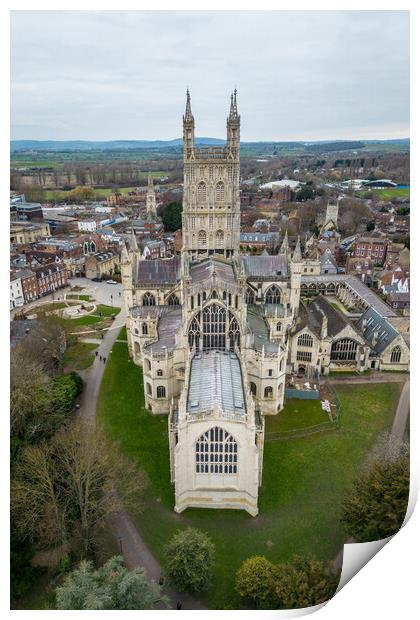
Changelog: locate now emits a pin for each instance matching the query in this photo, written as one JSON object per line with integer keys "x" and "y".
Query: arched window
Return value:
{"x": 202, "y": 239}
{"x": 85, "y": 248}
{"x": 344, "y": 350}
{"x": 201, "y": 192}
{"x": 173, "y": 300}
{"x": 268, "y": 392}
{"x": 92, "y": 247}
{"x": 214, "y": 327}
{"x": 253, "y": 388}
{"x": 136, "y": 348}
{"x": 220, "y": 192}
{"x": 273, "y": 295}
{"x": 216, "y": 452}
{"x": 305, "y": 340}
{"x": 149, "y": 389}
{"x": 249, "y": 296}
{"x": 234, "y": 334}
{"x": 159, "y": 373}
{"x": 194, "y": 334}
{"x": 396, "y": 355}
{"x": 278, "y": 327}
{"x": 144, "y": 329}
{"x": 161, "y": 391}
{"x": 219, "y": 238}
{"x": 148, "y": 366}
{"x": 149, "y": 299}
{"x": 136, "y": 331}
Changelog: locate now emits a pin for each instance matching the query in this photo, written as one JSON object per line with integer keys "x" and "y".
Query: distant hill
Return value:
{"x": 111, "y": 145}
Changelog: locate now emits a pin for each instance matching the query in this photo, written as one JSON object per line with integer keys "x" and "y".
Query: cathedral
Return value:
{"x": 213, "y": 329}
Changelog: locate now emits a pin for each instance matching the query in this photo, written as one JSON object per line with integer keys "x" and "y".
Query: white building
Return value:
{"x": 16, "y": 293}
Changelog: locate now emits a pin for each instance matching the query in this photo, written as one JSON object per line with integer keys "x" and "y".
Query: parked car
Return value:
{"x": 111, "y": 282}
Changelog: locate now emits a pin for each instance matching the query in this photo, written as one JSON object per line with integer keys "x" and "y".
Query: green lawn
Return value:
{"x": 79, "y": 297}
{"x": 88, "y": 319}
{"x": 295, "y": 415}
{"x": 79, "y": 355}
{"x": 107, "y": 310}
{"x": 304, "y": 479}
{"x": 389, "y": 194}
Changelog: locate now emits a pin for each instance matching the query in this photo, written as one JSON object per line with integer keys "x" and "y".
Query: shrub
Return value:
{"x": 190, "y": 560}
{"x": 255, "y": 581}
{"x": 304, "y": 582}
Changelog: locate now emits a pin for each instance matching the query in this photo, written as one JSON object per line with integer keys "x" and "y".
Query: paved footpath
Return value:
{"x": 135, "y": 551}
{"x": 371, "y": 377}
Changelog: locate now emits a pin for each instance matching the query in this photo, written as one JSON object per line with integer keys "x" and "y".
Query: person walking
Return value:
{"x": 100, "y": 358}
{"x": 179, "y": 605}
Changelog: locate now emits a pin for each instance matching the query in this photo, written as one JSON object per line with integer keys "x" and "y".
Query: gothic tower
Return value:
{"x": 211, "y": 204}
{"x": 150, "y": 198}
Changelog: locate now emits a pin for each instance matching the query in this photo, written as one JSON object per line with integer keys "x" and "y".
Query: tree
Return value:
{"x": 303, "y": 582}
{"x": 375, "y": 506}
{"x": 64, "y": 490}
{"x": 82, "y": 194}
{"x": 190, "y": 560}
{"x": 256, "y": 580}
{"x": 370, "y": 226}
{"x": 65, "y": 390}
{"x": 29, "y": 396}
{"x": 172, "y": 216}
{"x": 46, "y": 342}
{"x": 110, "y": 587}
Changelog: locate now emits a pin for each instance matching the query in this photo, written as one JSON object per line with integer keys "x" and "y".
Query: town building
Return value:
{"x": 16, "y": 292}
{"x": 28, "y": 232}
{"x": 102, "y": 264}
{"x": 371, "y": 247}
{"x": 50, "y": 278}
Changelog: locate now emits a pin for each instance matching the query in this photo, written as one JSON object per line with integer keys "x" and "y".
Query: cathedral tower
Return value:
{"x": 211, "y": 204}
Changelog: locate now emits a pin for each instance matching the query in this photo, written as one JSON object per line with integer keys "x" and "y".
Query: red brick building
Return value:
{"x": 50, "y": 277}
{"x": 371, "y": 247}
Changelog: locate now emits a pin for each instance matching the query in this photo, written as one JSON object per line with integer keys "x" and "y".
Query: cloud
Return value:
{"x": 122, "y": 75}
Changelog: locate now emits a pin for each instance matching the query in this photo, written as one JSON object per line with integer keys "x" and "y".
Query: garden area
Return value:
{"x": 304, "y": 479}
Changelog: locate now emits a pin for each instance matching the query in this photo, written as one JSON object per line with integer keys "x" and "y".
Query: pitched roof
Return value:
{"x": 200, "y": 272}
{"x": 265, "y": 266}
{"x": 371, "y": 323}
{"x": 159, "y": 271}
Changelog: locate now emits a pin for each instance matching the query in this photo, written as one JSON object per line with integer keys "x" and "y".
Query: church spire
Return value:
{"x": 188, "y": 117}
{"x": 133, "y": 242}
{"x": 285, "y": 244}
{"x": 297, "y": 254}
{"x": 233, "y": 114}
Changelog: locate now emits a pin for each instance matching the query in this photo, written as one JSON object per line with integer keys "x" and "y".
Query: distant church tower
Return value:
{"x": 150, "y": 198}
{"x": 211, "y": 203}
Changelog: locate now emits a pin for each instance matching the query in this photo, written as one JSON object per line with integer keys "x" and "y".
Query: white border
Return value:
{"x": 387, "y": 586}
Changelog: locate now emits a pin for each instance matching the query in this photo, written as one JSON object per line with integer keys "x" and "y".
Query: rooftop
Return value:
{"x": 265, "y": 266}
{"x": 159, "y": 271}
{"x": 216, "y": 381}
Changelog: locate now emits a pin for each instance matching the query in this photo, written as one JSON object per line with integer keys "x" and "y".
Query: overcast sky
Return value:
{"x": 123, "y": 75}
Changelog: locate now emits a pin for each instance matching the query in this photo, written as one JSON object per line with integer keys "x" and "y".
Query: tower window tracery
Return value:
{"x": 149, "y": 299}
{"x": 201, "y": 192}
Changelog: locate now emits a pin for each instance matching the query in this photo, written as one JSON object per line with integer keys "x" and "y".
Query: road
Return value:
{"x": 135, "y": 551}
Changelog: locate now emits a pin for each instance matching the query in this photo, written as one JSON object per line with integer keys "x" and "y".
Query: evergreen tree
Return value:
{"x": 375, "y": 507}
{"x": 110, "y": 587}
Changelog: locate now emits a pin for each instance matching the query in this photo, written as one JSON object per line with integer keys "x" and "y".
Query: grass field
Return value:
{"x": 303, "y": 483}
{"x": 296, "y": 414}
{"x": 388, "y": 194}
{"x": 79, "y": 355}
